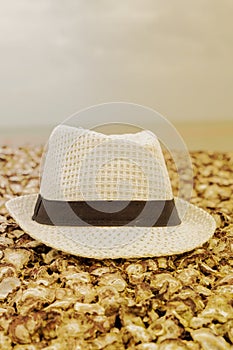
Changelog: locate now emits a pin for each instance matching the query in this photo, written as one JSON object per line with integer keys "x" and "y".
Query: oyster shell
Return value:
{"x": 89, "y": 308}
{"x": 17, "y": 257}
{"x": 8, "y": 285}
{"x": 5, "y": 342}
{"x": 138, "y": 333}
{"x": 165, "y": 283}
{"x": 210, "y": 341}
{"x": 60, "y": 301}
{"x": 112, "y": 279}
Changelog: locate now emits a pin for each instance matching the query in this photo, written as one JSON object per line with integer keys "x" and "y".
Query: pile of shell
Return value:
{"x": 51, "y": 300}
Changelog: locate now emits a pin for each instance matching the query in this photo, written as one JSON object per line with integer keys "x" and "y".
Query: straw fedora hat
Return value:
{"x": 109, "y": 196}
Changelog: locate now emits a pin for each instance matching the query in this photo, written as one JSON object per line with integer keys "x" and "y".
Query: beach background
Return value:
{"x": 58, "y": 57}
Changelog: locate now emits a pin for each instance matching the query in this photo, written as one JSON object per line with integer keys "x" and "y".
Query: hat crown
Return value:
{"x": 82, "y": 164}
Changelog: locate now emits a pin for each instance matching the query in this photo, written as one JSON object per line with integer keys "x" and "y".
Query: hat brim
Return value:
{"x": 197, "y": 227}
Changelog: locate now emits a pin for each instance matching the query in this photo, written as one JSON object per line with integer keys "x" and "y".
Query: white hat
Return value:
{"x": 109, "y": 196}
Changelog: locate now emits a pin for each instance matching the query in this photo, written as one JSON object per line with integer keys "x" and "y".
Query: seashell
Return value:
{"x": 33, "y": 298}
{"x": 127, "y": 317}
{"x": 2, "y": 310}
{"x": 139, "y": 333}
{"x": 84, "y": 292}
{"x": 143, "y": 292}
{"x": 5, "y": 342}
{"x": 50, "y": 256}
{"x": 18, "y": 233}
{"x": 198, "y": 322}
{"x": 107, "y": 293}
{"x": 89, "y": 308}
{"x": 208, "y": 340}
{"x": 73, "y": 276}
{"x": 38, "y": 292}
{"x": 50, "y": 330}
{"x": 59, "y": 265}
{"x": 61, "y": 304}
{"x": 225, "y": 280}
{"x": 203, "y": 290}
{"x": 25, "y": 347}
{"x": 99, "y": 271}
{"x": 112, "y": 279}
{"x": 40, "y": 275}
{"x": 188, "y": 275}
{"x": 19, "y": 333}
{"x": 162, "y": 262}
{"x": 17, "y": 257}
{"x": 163, "y": 329}
{"x": 165, "y": 282}
{"x": 103, "y": 323}
{"x": 147, "y": 346}
{"x": 8, "y": 285}
{"x": 63, "y": 293}
{"x": 230, "y": 332}
{"x": 7, "y": 270}
{"x": 173, "y": 344}
{"x": 77, "y": 277}
{"x": 106, "y": 340}
{"x": 205, "y": 268}
{"x": 165, "y": 297}
{"x": 135, "y": 269}
{"x": 71, "y": 328}
{"x": 218, "y": 308}
{"x": 225, "y": 289}
{"x": 5, "y": 241}
{"x": 25, "y": 241}
{"x": 136, "y": 273}
{"x": 109, "y": 298}
{"x": 152, "y": 264}
{"x": 183, "y": 311}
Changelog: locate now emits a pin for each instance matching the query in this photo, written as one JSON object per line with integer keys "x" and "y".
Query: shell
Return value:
{"x": 218, "y": 308}
{"x": 109, "y": 298}
{"x": 136, "y": 273}
{"x": 19, "y": 332}
{"x": 187, "y": 276}
{"x": 89, "y": 308}
{"x": 5, "y": 342}
{"x": 34, "y": 297}
{"x": 147, "y": 346}
{"x": 7, "y": 270}
{"x": 165, "y": 283}
{"x": 107, "y": 340}
{"x": 208, "y": 340}
{"x": 17, "y": 257}
{"x": 7, "y": 286}
{"x": 139, "y": 333}
{"x": 58, "y": 301}
{"x": 163, "y": 329}
{"x": 112, "y": 279}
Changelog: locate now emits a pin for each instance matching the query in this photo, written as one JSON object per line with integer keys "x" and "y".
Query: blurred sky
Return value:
{"x": 58, "y": 56}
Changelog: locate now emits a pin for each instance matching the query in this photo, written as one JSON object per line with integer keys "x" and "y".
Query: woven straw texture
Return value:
{"x": 83, "y": 164}
{"x": 96, "y": 242}
{"x": 86, "y": 165}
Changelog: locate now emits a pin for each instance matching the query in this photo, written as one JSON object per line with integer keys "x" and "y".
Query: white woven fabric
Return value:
{"x": 102, "y": 242}
{"x": 87, "y": 165}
